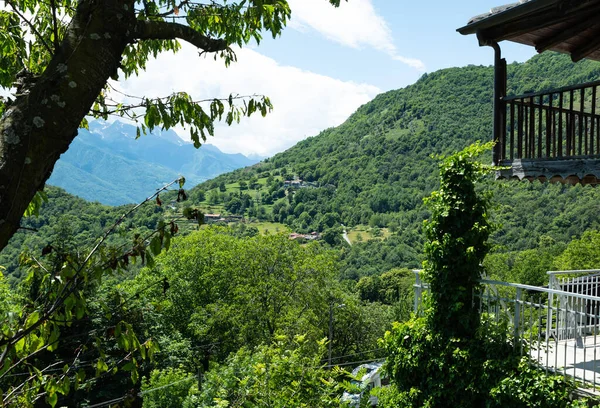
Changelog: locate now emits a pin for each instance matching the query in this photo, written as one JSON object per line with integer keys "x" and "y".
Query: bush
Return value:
{"x": 431, "y": 370}
{"x": 167, "y": 388}
{"x": 530, "y": 387}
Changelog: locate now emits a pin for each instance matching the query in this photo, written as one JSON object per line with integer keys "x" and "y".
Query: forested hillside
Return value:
{"x": 251, "y": 310}
{"x": 376, "y": 168}
{"x": 72, "y": 224}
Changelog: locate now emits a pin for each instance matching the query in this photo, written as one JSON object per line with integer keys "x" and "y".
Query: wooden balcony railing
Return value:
{"x": 549, "y": 127}
{"x": 557, "y": 124}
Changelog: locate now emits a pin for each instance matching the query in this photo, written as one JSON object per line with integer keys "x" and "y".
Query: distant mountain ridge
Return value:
{"x": 107, "y": 163}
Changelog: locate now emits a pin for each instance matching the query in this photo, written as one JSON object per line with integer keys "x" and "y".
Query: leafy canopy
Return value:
{"x": 31, "y": 32}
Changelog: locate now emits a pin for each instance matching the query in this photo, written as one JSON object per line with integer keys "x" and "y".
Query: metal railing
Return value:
{"x": 559, "y": 329}
{"x": 558, "y": 124}
{"x": 585, "y": 282}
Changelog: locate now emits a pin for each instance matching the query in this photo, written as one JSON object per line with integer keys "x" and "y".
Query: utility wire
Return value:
{"x": 356, "y": 362}
{"x": 140, "y": 394}
{"x": 354, "y": 354}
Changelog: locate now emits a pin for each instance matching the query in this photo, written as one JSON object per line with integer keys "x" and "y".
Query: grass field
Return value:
{"x": 270, "y": 227}
{"x": 362, "y": 233}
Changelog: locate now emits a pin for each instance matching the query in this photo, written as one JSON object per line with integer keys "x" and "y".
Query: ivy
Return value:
{"x": 456, "y": 244}
{"x": 448, "y": 358}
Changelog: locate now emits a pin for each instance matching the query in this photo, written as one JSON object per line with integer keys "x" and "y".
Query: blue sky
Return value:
{"x": 423, "y": 30}
{"x": 326, "y": 64}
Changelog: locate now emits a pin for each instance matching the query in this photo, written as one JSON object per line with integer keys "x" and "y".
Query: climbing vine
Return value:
{"x": 456, "y": 243}
{"x": 449, "y": 357}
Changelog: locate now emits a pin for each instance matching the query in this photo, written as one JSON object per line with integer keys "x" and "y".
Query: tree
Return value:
{"x": 456, "y": 243}
{"x": 234, "y": 206}
{"x": 61, "y": 67}
{"x": 58, "y": 319}
{"x": 280, "y": 375}
{"x": 234, "y": 291}
{"x": 581, "y": 253}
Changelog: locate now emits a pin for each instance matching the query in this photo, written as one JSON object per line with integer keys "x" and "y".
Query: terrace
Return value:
{"x": 553, "y": 134}
{"x": 557, "y": 326}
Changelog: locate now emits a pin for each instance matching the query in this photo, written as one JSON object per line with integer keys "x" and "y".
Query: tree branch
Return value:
{"x": 160, "y": 30}
{"x": 31, "y": 26}
{"x": 55, "y": 26}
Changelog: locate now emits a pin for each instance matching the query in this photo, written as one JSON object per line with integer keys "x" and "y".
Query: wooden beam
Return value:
{"x": 567, "y": 170}
{"x": 541, "y": 19}
{"x": 572, "y": 31}
{"x": 587, "y": 48}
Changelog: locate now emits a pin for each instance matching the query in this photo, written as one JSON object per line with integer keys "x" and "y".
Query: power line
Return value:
{"x": 142, "y": 393}
{"x": 139, "y": 394}
{"x": 357, "y": 362}
{"x": 355, "y": 354}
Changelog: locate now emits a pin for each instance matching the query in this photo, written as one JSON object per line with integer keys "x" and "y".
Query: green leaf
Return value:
{"x": 32, "y": 319}
{"x": 155, "y": 245}
{"x": 52, "y": 399}
{"x": 36, "y": 204}
{"x": 101, "y": 367}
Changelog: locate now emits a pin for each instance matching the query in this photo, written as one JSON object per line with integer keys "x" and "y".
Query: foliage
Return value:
{"x": 56, "y": 322}
{"x": 8, "y": 299}
{"x": 581, "y": 253}
{"x": 394, "y": 288}
{"x": 167, "y": 388}
{"x": 456, "y": 244}
{"x": 429, "y": 369}
{"x": 530, "y": 387}
{"x": 379, "y": 165}
{"x": 67, "y": 218}
{"x": 528, "y": 266}
{"x": 281, "y": 375}
{"x": 447, "y": 358}
{"x": 234, "y": 291}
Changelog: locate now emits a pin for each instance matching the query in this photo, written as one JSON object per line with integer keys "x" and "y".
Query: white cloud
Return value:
{"x": 354, "y": 24}
{"x": 304, "y": 102}
{"x": 413, "y": 62}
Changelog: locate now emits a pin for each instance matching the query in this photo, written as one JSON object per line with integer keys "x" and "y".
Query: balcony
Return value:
{"x": 551, "y": 136}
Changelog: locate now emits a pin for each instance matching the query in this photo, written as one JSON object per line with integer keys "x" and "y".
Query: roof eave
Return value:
{"x": 506, "y": 15}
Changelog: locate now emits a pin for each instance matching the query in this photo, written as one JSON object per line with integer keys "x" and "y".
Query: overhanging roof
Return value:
{"x": 568, "y": 26}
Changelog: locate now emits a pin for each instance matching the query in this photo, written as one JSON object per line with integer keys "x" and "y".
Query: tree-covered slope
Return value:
{"x": 74, "y": 225}
{"x": 377, "y": 167}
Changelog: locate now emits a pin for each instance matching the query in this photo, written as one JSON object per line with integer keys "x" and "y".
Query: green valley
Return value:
{"x": 212, "y": 304}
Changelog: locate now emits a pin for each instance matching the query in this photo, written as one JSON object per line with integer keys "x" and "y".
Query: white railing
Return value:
{"x": 584, "y": 282}
{"x": 558, "y": 328}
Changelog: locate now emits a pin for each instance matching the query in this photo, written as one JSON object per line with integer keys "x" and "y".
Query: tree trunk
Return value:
{"x": 41, "y": 123}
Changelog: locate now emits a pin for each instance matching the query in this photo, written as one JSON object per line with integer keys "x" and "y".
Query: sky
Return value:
{"x": 327, "y": 63}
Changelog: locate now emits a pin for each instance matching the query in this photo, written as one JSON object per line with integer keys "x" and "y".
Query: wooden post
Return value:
{"x": 499, "y": 105}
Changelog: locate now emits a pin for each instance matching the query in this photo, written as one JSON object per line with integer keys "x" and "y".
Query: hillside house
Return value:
{"x": 309, "y": 237}
{"x": 553, "y": 134}
{"x": 211, "y": 218}
{"x": 299, "y": 184}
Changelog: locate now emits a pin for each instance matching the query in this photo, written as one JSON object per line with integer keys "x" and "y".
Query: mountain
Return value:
{"x": 376, "y": 168}
{"x": 107, "y": 163}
